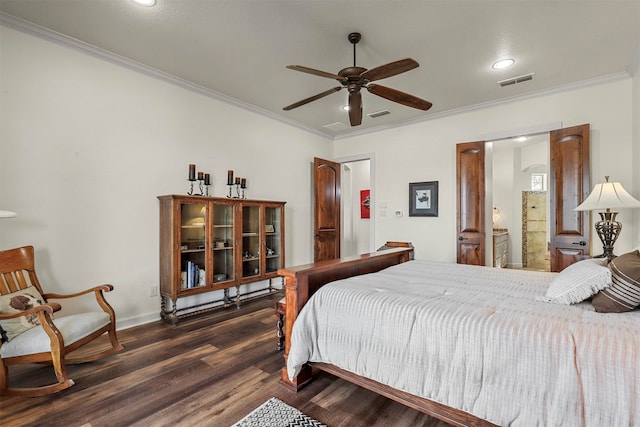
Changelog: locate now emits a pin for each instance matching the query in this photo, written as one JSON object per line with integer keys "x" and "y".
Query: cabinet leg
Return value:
{"x": 174, "y": 311}
{"x": 238, "y": 297}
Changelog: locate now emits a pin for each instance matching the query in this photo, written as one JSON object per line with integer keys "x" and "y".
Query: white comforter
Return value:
{"x": 476, "y": 339}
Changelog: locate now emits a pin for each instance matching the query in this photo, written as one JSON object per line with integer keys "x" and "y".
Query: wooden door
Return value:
{"x": 326, "y": 229}
{"x": 569, "y": 186}
{"x": 470, "y": 203}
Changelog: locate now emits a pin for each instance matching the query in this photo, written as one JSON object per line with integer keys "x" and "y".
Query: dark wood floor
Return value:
{"x": 211, "y": 370}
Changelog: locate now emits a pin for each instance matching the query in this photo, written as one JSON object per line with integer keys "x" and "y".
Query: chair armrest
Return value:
{"x": 100, "y": 299}
{"x": 105, "y": 288}
{"x": 48, "y": 308}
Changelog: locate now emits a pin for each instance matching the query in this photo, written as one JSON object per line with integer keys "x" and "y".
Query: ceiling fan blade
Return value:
{"x": 391, "y": 69}
{"x": 312, "y": 98}
{"x": 399, "y": 97}
{"x": 316, "y": 72}
{"x": 355, "y": 108}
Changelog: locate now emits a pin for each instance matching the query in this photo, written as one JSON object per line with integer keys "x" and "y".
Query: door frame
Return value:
{"x": 537, "y": 129}
{"x": 372, "y": 184}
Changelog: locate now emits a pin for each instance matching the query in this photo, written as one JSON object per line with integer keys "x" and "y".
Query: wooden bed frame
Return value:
{"x": 302, "y": 281}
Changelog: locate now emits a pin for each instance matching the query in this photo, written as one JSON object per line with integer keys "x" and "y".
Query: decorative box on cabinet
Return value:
{"x": 209, "y": 244}
{"x": 500, "y": 248}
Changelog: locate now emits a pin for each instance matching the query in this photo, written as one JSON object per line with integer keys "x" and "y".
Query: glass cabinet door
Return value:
{"x": 193, "y": 244}
{"x": 223, "y": 243}
{"x": 273, "y": 238}
{"x": 250, "y": 241}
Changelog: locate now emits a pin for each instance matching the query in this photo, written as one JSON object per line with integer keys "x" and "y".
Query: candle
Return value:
{"x": 243, "y": 183}
{"x": 192, "y": 172}
{"x": 200, "y": 176}
{"x": 229, "y": 177}
{"x": 207, "y": 179}
{"x": 237, "y": 180}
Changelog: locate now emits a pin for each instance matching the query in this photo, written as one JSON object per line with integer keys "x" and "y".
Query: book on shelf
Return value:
{"x": 194, "y": 276}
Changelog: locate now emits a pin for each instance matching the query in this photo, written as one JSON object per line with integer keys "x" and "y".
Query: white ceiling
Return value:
{"x": 238, "y": 49}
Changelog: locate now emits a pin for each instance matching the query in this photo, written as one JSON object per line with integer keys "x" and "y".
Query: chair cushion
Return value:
{"x": 73, "y": 328}
{"x": 17, "y": 302}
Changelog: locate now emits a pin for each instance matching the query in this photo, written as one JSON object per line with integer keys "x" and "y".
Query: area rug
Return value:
{"x": 275, "y": 413}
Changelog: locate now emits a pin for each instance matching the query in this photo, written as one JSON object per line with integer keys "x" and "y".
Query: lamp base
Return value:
{"x": 608, "y": 230}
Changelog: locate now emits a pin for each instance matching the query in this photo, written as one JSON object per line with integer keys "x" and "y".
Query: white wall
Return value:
{"x": 506, "y": 197}
{"x": 635, "y": 155}
{"x": 425, "y": 151}
{"x": 87, "y": 145}
{"x": 355, "y": 230}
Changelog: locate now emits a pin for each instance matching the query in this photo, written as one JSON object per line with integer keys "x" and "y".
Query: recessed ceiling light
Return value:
{"x": 503, "y": 63}
{"x": 145, "y": 2}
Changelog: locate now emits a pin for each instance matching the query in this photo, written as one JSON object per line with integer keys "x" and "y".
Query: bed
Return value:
{"x": 468, "y": 345}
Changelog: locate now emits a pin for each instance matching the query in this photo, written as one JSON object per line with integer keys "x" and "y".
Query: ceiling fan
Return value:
{"x": 355, "y": 78}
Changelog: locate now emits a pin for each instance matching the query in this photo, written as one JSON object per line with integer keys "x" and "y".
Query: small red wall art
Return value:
{"x": 365, "y": 202}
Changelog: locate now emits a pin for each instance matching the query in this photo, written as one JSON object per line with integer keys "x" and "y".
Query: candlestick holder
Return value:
{"x": 202, "y": 188}
{"x": 238, "y": 190}
{"x": 190, "y": 192}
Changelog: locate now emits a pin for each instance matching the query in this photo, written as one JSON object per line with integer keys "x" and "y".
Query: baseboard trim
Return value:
{"x": 141, "y": 319}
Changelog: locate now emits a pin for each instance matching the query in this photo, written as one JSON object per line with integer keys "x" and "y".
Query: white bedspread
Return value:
{"x": 476, "y": 339}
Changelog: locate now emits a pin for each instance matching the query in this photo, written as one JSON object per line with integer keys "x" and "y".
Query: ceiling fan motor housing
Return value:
{"x": 353, "y": 82}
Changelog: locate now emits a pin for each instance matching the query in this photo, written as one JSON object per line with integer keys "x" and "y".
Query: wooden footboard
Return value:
{"x": 303, "y": 281}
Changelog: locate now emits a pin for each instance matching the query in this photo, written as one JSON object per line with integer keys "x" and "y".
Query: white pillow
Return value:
{"x": 578, "y": 282}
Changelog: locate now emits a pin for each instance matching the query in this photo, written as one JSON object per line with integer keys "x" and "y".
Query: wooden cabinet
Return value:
{"x": 500, "y": 248}
{"x": 209, "y": 244}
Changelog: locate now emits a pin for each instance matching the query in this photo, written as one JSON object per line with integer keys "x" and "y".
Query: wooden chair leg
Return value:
{"x": 83, "y": 358}
{"x": 4, "y": 376}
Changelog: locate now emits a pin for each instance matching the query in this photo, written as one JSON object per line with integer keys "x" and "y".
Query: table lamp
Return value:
{"x": 607, "y": 196}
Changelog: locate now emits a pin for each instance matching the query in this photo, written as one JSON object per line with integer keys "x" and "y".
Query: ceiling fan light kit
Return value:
{"x": 355, "y": 78}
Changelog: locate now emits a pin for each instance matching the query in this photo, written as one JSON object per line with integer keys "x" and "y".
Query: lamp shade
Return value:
{"x": 608, "y": 195}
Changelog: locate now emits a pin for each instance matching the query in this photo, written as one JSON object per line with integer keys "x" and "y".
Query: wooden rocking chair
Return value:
{"x": 54, "y": 338}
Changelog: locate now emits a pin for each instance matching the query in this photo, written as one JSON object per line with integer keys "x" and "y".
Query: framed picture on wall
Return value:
{"x": 423, "y": 198}
{"x": 365, "y": 204}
